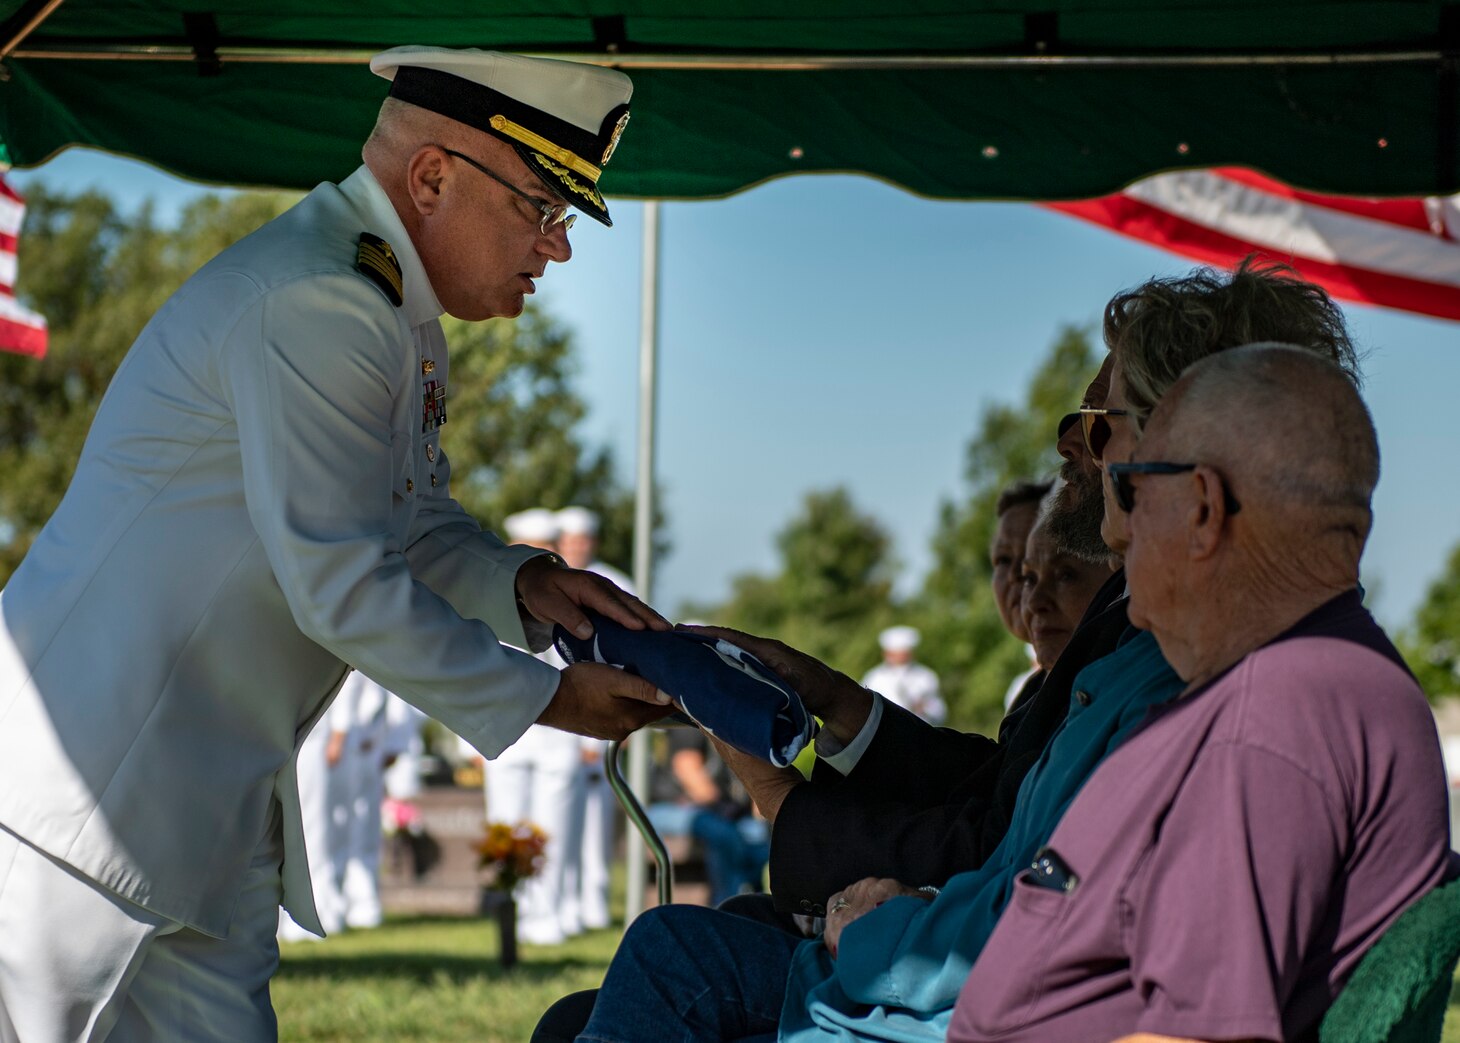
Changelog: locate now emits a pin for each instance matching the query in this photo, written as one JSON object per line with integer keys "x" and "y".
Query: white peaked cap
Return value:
{"x": 899, "y": 639}
{"x": 537, "y": 524}
{"x": 563, "y": 118}
{"x": 577, "y": 521}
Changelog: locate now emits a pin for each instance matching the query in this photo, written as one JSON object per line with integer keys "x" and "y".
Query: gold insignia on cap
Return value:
{"x": 568, "y": 158}
{"x": 618, "y": 132}
{"x": 586, "y": 191}
{"x": 376, "y": 260}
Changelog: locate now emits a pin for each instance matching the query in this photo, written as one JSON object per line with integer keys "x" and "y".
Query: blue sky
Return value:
{"x": 824, "y": 330}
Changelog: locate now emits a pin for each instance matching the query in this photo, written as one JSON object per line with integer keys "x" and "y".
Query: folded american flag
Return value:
{"x": 727, "y": 691}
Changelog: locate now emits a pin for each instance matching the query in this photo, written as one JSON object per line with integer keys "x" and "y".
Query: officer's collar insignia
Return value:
{"x": 376, "y": 260}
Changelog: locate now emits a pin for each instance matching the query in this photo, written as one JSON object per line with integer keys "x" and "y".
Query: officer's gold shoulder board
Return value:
{"x": 376, "y": 260}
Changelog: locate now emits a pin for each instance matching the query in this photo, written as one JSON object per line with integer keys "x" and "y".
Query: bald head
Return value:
{"x": 1289, "y": 430}
{"x": 1268, "y": 519}
{"x": 401, "y": 128}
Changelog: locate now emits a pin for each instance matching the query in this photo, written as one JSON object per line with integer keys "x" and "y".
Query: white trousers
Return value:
{"x": 356, "y": 813}
{"x": 594, "y": 812}
{"x": 80, "y": 963}
{"x": 541, "y": 791}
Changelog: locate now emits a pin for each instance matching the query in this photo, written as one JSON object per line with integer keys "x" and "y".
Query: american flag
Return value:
{"x": 21, "y": 330}
{"x": 1397, "y": 253}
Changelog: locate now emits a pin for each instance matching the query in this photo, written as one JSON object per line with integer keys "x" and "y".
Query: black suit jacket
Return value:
{"x": 925, "y": 803}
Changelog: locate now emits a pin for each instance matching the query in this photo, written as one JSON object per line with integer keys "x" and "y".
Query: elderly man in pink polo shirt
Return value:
{"x": 1222, "y": 873}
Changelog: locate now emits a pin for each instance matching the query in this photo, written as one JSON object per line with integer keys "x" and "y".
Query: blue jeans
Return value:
{"x": 736, "y": 850}
{"x": 685, "y": 974}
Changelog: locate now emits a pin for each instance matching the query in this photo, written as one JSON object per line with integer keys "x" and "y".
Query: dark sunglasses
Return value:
{"x": 1125, "y": 490}
{"x": 1096, "y": 429}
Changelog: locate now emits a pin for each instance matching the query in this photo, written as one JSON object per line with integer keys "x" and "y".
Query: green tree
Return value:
{"x": 1432, "y": 644}
{"x": 512, "y": 430}
{"x": 98, "y": 277}
{"x": 964, "y": 640}
{"x": 833, "y": 591}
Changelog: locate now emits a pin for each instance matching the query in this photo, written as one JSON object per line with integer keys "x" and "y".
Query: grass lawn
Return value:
{"x": 436, "y": 979}
{"x": 428, "y": 979}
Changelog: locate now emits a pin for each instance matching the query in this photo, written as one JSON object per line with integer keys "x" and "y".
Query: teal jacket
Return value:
{"x": 902, "y": 964}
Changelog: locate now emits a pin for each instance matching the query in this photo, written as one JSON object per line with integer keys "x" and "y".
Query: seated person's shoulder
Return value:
{"x": 1327, "y": 671}
{"x": 1315, "y": 699}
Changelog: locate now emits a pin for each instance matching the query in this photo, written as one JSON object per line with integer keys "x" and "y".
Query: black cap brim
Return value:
{"x": 575, "y": 190}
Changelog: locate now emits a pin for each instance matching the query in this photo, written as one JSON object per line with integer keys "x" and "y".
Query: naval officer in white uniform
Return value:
{"x": 262, "y": 503}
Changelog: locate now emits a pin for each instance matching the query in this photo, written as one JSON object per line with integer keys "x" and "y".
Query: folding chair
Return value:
{"x": 1400, "y": 991}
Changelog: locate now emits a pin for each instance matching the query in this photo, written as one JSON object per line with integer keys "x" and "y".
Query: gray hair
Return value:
{"x": 1165, "y": 325}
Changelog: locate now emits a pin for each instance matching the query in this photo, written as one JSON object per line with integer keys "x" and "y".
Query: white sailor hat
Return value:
{"x": 537, "y": 524}
{"x": 899, "y": 639}
{"x": 577, "y": 521}
{"x": 563, "y": 118}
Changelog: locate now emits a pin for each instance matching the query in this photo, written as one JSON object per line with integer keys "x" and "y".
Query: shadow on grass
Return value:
{"x": 427, "y": 967}
{"x": 391, "y": 955}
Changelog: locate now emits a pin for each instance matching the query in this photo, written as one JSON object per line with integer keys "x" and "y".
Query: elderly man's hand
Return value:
{"x": 841, "y": 703}
{"x": 554, "y": 593}
{"x": 767, "y": 784}
{"x": 849, "y": 905}
{"x": 603, "y": 702}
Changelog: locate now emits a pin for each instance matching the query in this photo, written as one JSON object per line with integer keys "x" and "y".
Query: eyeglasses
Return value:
{"x": 553, "y": 214}
{"x": 1096, "y": 429}
{"x": 1125, "y": 490}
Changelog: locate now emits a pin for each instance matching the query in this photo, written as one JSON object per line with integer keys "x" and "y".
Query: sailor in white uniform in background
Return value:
{"x": 900, "y": 679}
{"x": 595, "y": 809}
{"x": 404, "y": 748}
{"x": 536, "y": 780}
{"x": 359, "y": 788}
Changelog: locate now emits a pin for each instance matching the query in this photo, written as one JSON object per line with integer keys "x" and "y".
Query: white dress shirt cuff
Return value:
{"x": 845, "y": 758}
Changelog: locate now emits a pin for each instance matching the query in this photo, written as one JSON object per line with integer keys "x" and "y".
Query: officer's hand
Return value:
{"x": 603, "y": 702}
{"x": 853, "y": 903}
{"x": 553, "y": 594}
{"x": 840, "y": 702}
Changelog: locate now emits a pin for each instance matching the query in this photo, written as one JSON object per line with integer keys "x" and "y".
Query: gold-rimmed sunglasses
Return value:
{"x": 1093, "y": 426}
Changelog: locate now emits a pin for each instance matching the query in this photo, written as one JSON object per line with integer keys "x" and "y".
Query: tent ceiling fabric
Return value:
{"x": 1335, "y": 96}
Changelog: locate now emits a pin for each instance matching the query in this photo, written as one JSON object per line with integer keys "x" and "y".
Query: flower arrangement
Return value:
{"x": 510, "y": 853}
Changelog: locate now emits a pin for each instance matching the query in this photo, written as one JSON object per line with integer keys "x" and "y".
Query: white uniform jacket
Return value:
{"x": 910, "y": 685}
{"x": 260, "y": 502}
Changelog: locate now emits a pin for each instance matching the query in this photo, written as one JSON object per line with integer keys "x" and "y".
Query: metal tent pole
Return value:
{"x": 644, "y": 511}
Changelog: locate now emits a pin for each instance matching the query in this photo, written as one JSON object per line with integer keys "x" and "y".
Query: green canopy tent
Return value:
{"x": 1019, "y": 99}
